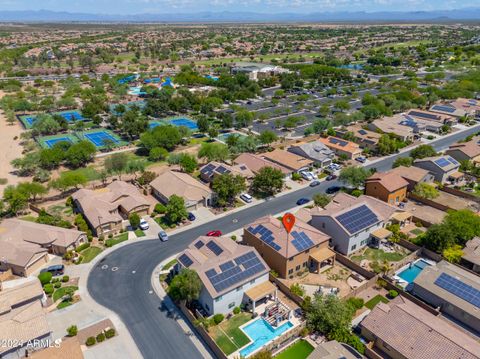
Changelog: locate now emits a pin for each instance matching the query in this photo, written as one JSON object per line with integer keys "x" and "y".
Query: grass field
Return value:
{"x": 60, "y": 292}
{"x": 90, "y": 172}
{"x": 116, "y": 240}
{"x": 375, "y": 300}
{"x": 227, "y": 334}
{"x": 299, "y": 350}
{"x": 170, "y": 264}
{"x": 139, "y": 233}
{"x": 379, "y": 255}
{"x": 90, "y": 253}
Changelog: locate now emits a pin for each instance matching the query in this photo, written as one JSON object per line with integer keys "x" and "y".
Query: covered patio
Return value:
{"x": 261, "y": 294}
{"x": 321, "y": 258}
{"x": 380, "y": 235}
{"x": 402, "y": 218}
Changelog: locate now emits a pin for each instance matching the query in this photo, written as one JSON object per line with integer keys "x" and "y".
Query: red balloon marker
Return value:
{"x": 288, "y": 221}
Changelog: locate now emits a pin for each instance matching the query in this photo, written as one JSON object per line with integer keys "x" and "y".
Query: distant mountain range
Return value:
{"x": 226, "y": 16}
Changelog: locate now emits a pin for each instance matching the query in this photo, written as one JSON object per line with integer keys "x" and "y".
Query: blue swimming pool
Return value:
{"x": 190, "y": 124}
{"x": 410, "y": 273}
{"x": 136, "y": 90}
{"x": 261, "y": 333}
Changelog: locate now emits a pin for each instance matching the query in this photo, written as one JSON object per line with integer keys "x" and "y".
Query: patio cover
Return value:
{"x": 381, "y": 233}
{"x": 456, "y": 175}
{"x": 322, "y": 254}
{"x": 260, "y": 291}
{"x": 401, "y": 216}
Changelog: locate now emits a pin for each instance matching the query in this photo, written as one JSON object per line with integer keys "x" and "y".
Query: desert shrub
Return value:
{"x": 218, "y": 318}
{"x": 57, "y": 285}
{"x": 72, "y": 330}
{"x": 236, "y": 310}
{"x": 100, "y": 337}
{"x": 65, "y": 278}
{"x": 45, "y": 277}
{"x": 90, "y": 341}
{"x": 110, "y": 333}
{"x": 296, "y": 176}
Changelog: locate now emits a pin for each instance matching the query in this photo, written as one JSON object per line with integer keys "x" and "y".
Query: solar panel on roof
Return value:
{"x": 362, "y": 132}
{"x": 199, "y": 244}
{"x": 442, "y": 162}
{"x": 458, "y": 288}
{"x": 222, "y": 170}
{"x": 301, "y": 241}
{"x": 227, "y": 265}
{"x": 443, "y": 108}
{"x": 185, "y": 260}
{"x": 452, "y": 160}
{"x": 211, "y": 273}
{"x": 214, "y": 247}
{"x": 337, "y": 141}
{"x": 357, "y": 219}
{"x": 428, "y": 116}
{"x": 265, "y": 235}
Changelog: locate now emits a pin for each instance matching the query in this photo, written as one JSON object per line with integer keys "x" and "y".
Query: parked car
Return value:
{"x": 331, "y": 177}
{"x": 246, "y": 198}
{"x": 307, "y": 175}
{"x": 361, "y": 159}
{"x": 215, "y": 233}
{"x": 314, "y": 183}
{"x": 55, "y": 269}
{"x": 191, "y": 217}
{"x": 163, "y": 236}
{"x": 302, "y": 201}
{"x": 333, "y": 189}
{"x": 144, "y": 225}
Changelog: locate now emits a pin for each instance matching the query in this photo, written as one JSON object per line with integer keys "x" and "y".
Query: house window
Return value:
{"x": 297, "y": 268}
{"x": 290, "y": 271}
{"x": 353, "y": 247}
{"x": 291, "y": 259}
{"x": 231, "y": 305}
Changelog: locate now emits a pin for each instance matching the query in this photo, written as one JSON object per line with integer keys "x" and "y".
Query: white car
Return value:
{"x": 144, "y": 225}
{"x": 246, "y": 198}
{"x": 307, "y": 175}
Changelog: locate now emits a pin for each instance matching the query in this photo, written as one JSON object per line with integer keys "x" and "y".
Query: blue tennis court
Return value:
{"x": 50, "y": 143}
{"x": 29, "y": 119}
{"x": 191, "y": 125}
{"x": 99, "y": 138}
{"x": 155, "y": 124}
{"x": 71, "y": 116}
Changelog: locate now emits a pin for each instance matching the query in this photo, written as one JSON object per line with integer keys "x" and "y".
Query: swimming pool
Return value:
{"x": 261, "y": 333}
{"x": 190, "y": 124}
{"x": 223, "y": 136}
{"x": 136, "y": 90}
{"x": 413, "y": 270}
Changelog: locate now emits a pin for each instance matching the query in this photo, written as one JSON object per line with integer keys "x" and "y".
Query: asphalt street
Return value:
{"x": 127, "y": 288}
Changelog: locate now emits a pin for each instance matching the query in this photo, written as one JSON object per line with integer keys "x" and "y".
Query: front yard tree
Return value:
{"x": 423, "y": 151}
{"x": 267, "y": 137}
{"x": 227, "y": 187}
{"x": 321, "y": 199}
{"x": 185, "y": 286}
{"x": 268, "y": 181}
{"x": 403, "y": 161}
{"x": 188, "y": 163}
{"x": 354, "y": 176}
{"x": 134, "y": 220}
{"x": 213, "y": 151}
{"x": 175, "y": 209}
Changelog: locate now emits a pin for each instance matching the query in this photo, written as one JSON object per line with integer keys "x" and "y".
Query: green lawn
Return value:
{"x": 169, "y": 264}
{"x": 29, "y": 218}
{"x": 375, "y": 300}
{"x": 63, "y": 304}
{"x": 228, "y": 336}
{"x": 60, "y": 292}
{"x": 90, "y": 172}
{"x": 90, "y": 253}
{"x": 299, "y": 350}
{"x": 416, "y": 231}
{"x": 139, "y": 233}
{"x": 115, "y": 240}
{"x": 379, "y": 255}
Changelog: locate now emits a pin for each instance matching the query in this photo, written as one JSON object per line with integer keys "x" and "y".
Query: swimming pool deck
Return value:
{"x": 402, "y": 281}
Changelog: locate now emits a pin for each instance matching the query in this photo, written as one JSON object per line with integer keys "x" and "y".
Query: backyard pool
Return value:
{"x": 412, "y": 271}
{"x": 223, "y": 136}
{"x": 260, "y": 332}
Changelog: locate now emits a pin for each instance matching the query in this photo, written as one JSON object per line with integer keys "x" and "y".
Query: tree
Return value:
{"x": 268, "y": 181}
{"x": 425, "y": 190}
{"x": 342, "y": 105}
{"x": 213, "y": 151}
{"x": 227, "y": 187}
{"x": 188, "y": 163}
{"x": 45, "y": 125}
{"x": 80, "y": 153}
{"x": 31, "y": 189}
{"x": 45, "y": 277}
{"x": 185, "y": 286}
{"x": 161, "y": 136}
{"x": 69, "y": 180}
{"x": 175, "y": 209}
{"x": 267, "y": 137}
{"x": 388, "y": 144}
{"x": 134, "y": 220}
{"x": 72, "y": 330}
{"x": 423, "y": 151}
{"x": 134, "y": 166}
{"x": 321, "y": 199}
{"x": 158, "y": 154}
{"x": 354, "y": 176}
{"x": 203, "y": 124}
{"x": 16, "y": 200}
{"x": 116, "y": 163}
{"x": 453, "y": 254}
{"x": 403, "y": 161}
{"x": 244, "y": 118}
{"x": 438, "y": 238}
{"x": 464, "y": 223}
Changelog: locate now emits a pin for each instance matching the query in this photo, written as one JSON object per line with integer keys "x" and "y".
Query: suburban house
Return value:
{"x": 305, "y": 248}
{"x": 353, "y": 223}
{"x": 430, "y": 116}
{"x": 229, "y": 273}
{"x": 389, "y": 125}
{"x": 401, "y": 329}
{"x": 449, "y": 109}
{"x": 334, "y": 350}
{"x": 466, "y": 151}
{"x": 255, "y": 163}
{"x": 105, "y": 209}
{"x": 22, "y": 320}
{"x": 257, "y": 71}
{"x": 365, "y": 138}
{"x": 471, "y": 255}
{"x": 470, "y": 106}
{"x": 214, "y": 169}
{"x": 195, "y": 193}
{"x": 387, "y": 186}
{"x": 293, "y": 162}
{"x": 417, "y": 122}
{"x": 413, "y": 175}
{"x": 342, "y": 147}
{"x": 315, "y": 151}
{"x": 24, "y": 245}
{"x": 444, "y": 168}
{"x": 454, "y": 290}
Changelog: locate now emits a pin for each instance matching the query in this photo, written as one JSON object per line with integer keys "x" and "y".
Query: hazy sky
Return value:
{"x": 266, "y": 6}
